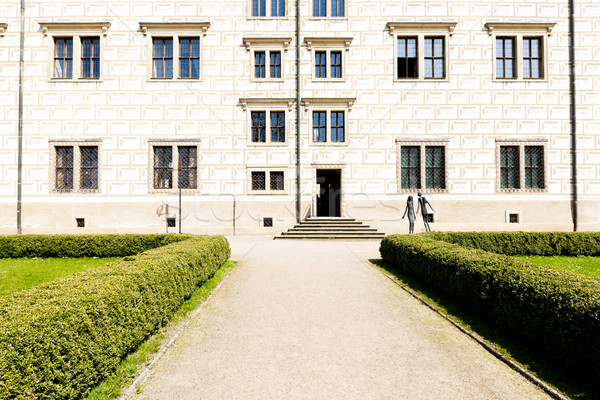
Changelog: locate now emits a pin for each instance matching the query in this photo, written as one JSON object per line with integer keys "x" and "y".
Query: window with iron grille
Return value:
{"x": 189, "y": 57}
{"x": 258, "y": 126}
{"x": 505, "y": 57}
{"x": 408, "y": 65}
{"x": 410, "y": 167}
{"x": 163, "y": 164}
{"x": 533, "y": 67}
{"x": 90, "y": 57}
{"x": 337, "y": 126}
{"x": 320, "y": 64}
{"x": 259, "y": 180}
{"x": 319, "y": 126}
{"x": 435, "y": 168}
{"x": 64, "y": 168}
{"x": 534, "y": 167}
{"x": 509, "y": 167}
{"x": 88, "y": 175}
{"x": 277, "y": 126}
{"x": 162, "y": 58}
{"x": 187, "y": 178}
{"x": 267, "y": 181}
{"x": 63, "y": 58}
{"x": 275, "y": 64}
{"x": 276, "y": 180}
{"x": 434, "y": 58}
{"x": 259, "y": 64}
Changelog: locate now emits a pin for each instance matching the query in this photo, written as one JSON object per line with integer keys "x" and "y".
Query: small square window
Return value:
{"x": 171, "y": 223}
{"x": 513, "y": 218}
{"x": 429, "y": 218}
{"x": 80, "y": 222}
{"x": 268, "y": 222}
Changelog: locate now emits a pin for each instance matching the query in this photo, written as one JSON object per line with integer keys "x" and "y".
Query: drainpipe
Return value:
{"x": 20, "y": 132}
{"x": 573, "y": 112}
{"x": 298, "y": 197}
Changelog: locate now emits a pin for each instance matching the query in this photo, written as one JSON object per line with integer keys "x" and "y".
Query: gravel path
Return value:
{"x": 313, "y": 320}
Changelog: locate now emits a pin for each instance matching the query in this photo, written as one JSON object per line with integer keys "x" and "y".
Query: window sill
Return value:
{"x": 267, "y": 192}
{"x": 338, "y": 80}
{"x": 446, "y": 79}
{"x": 521, "y": 80}
{"x": 75, "y": 80}
{"x": 313, "y": 18}
{"x": 75, "y": 191}
{"x": 173, "y": 80}
{"x": 267, "y": 80}
{"x": 328, "y": 144}
{"x": 268, "y": 144}
{"x": 422, "y": 190}
{"x": 521, "y": 191}
{"x": 170, "y": 191}
{"x": 269, "y": 18}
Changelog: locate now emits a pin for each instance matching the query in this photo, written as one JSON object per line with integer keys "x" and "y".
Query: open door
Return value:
{"x": 330, "y": 193}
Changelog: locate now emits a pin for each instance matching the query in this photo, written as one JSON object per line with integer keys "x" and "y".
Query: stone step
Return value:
{"x": 329, "y": 237}
{"x": 332, "y": 232}
{"x": 329, "y": 228}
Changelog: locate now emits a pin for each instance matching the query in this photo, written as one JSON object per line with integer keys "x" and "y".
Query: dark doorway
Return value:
{"x": 329, "y": 196}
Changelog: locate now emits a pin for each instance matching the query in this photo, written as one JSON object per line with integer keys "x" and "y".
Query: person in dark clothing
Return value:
{"x": 410, "y": 210}
{"x": 422, "y": 204}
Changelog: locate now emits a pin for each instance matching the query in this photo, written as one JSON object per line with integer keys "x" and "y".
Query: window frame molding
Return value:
{"x": 175, "y": 31}
{"x": 422, "y": 144}
{"x": 76, "y": 144}
{"x": 267, "y": 170}
{"x": 521, "y": 143}
{"x": 519, "y": 31}
{"x": 267, "y": 44}
{"x": 328, "y": 44}
{"x": 328, "y": 105}
{"x": 267, "y": 105}
{"x": 422, "y": 30}
{"x": 76, "y": 31}
{"x": 268, "y": 15}
{"x": 174, "y": 144}
{"x": 328, "y": 11}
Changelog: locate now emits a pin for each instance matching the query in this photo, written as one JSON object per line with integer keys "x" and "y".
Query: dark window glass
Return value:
{"x": 64, "y": 167}
{"x": 277, "y": 126}
{"x": 89, "y": 167}
{"x": 408, "y": 66}
{"x": 63, "y": 58}
{"x": 337, "y": 8}
{"x": 189, "y": 57}
{"x": 410, "y": 171}
{"x": 258, "y": 126}
{"x": 336, "y": 64}
{"x": 435, "y": 169}
{"x": 509, "y": 167}
{"x": 434, "y": 57}
{"x": 90, "y": 57}
{"x": 534, "y": 167}
{"x": 258, "y": 180}
{"x": 162, "y": 58}
{"x": 505, "y": 57}
{"x": 275, "y": 64}
{"x": 188, "y": 167}
{"x": 276, "y": 178}
{"x": 320, "y": 64}
{"x": 319, "y": 8}
{"x": 319, "y": 126}
{"x": 163, "y": 164}
{"x": 259, "y": 8}
{"x": 337, "y": 126}
{"x": 259, "y": 64}
{"x": 532, "y": 58}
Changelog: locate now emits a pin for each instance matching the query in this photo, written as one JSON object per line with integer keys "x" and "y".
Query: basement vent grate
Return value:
{"x": 268, "y": 222}
{"x": 80, "y": 222}
{"x": 171, "y": 223}
{"x": 513, "y": 218}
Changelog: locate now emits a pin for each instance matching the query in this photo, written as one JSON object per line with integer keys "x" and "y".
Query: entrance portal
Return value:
{"x": 330, "y": 194}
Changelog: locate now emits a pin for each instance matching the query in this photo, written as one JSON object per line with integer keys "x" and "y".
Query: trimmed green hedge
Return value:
{"x": 16, "y": 246}
{"x": 60, "y": 339}
{"x": 555, "y": 311}
{"x": 527, "y": 243}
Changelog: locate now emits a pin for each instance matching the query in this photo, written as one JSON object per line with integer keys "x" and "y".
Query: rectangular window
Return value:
{"x": 162, "y": 58}
{"x": 277, "y": 126}
{"x": 88, "y": 175}
{"x": 187, "y": 178}
{"x": 259, "y": 64}
{"x": 320, "y": 64}
{"x": 278, "y": 8}
{"x": 505, "y": 58}
{"x": 276, "y": 180}
{"x": 408, "y": 66}
{"x": 90, "y": 57}
{"x": 64, "y": 168}
{"x": 163, "y": 164}
{"x": 259, "y": 8}
{"x": 63, "y": 58}
{"x": 534, "y": 167}
{"x": 275, "y": 64}
{"x": 435, "y": 169}
{"x": 259, "y": 180}
{"x": 258, "y": 126}
{"x": 336, "y": 64}
{"x": 319, "y": 126}
{"x": 319, "y": 8}
{"x": 337, "y": 8}
{"x": 532, "y": 58}
{"x": 337, "y": 126}
{"x": 410, "y": 167}
{"x": 189, "y": 57}
{"x": 434, "y": 57}
{"x": 509, "y": 167}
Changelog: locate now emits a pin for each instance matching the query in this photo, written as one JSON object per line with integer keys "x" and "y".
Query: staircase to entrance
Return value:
{"x": 331, "y": 228}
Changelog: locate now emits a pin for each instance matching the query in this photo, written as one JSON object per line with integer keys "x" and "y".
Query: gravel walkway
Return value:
{"x": 313, "y": 320}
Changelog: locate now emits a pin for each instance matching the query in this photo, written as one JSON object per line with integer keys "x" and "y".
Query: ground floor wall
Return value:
{"x": 270, "y": 215}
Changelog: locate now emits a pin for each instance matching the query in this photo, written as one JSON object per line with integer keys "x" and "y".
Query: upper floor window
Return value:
{"x": 422, "y": 164}
{"x": 90, "y": 59}
{"x": 63, "y": 58}
{"x": 421, "y": 49}
{"x": 266, "y": 57}
{"x": 520, "y": 49}
{"x": 329, "y": 122}
{"x": 329, "y": 8}
{"x": 267, "y": 121}
{"x": 75, "y": 166}
{"x": 175, "y": 49}
{"x": 268, "y": 8}
{"x": 328, "y": 57}
{"x": 521, "y": 165}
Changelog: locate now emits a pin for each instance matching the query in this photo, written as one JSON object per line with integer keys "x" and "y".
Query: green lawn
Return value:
{"x": 584, "y": 265}
{"x": 24, "y": 273}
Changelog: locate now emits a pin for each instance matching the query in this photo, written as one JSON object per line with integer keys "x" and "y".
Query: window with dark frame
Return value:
{"x": 337, "y": 8}
{"x": 319, "y": 8}
{"x": 90, "y": 57}
{"x": 189, "y": 57}
{"x": 162, "y": 58}
{"x": 408, "y": 65}
{"x": 336, "y": 64}
{"x": 534, "y": 167}
{"x": 259, "y": 180}
{"x": 259, "y": 64}
{"x": 410, "y": 167}
{"x": 434, "y": 58}
{"x": 277, "y": 8}
{"x": 435, "y": 169}
{"x": 63, "y": 58}
{"x": 163, "y": 164}
{"x": 259, "y": 8}
{"x": 319, "y": 126}
{"x": 320, "y": 64}
{"x": 258, "y": 126}
{"x": 64, "y": 168}
{"x": 188, "y": 176}
{"x": 276, "y": 180}
{"x": 277, "y": 126}
{"x": 275, "y": 64}
{"x": 505, "y": 58}
{"x": 337, "y": 126}
{"x": 509, "y": 167}
{"x": 532, "y": 58}
{"x": 89, "y": 167}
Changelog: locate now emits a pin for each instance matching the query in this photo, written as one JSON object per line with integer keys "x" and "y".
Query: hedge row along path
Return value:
{"x": 313, "y": 320}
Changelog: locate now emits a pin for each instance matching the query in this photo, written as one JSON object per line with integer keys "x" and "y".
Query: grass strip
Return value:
{"x": 585, "y": 265}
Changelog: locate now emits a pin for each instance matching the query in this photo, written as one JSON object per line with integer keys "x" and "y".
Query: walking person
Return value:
{"x": 410, "y": 210}
{"x": 422, "y": 204}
